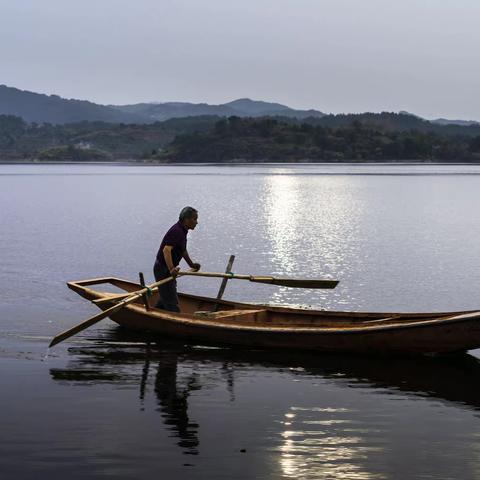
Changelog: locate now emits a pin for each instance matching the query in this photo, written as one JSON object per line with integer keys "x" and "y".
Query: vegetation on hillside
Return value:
{"x": 21, "y": 140}
{"x": 272, "y": 140}
{"x": 368, "y": 137}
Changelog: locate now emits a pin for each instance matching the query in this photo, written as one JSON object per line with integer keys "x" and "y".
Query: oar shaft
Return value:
{"x": 89, "y": 322}
{"x": 131, "y": 297}
{"x": 286, "y": 282}
{"x": 216, "y": 275}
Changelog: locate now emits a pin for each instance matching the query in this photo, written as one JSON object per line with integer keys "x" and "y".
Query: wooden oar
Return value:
{"x": 124, "y": 300}
{"x": 284, "y": 282}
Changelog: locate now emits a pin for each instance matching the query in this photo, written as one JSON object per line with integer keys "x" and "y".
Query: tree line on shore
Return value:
{"x": 88, "y": 141}
{"x": 364, "y": 137}
{"x": 273, "y": 140}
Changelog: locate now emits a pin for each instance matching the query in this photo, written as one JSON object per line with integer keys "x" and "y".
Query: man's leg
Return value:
{"x": 159, "y": 274}
{"x": 167, "y": 293}
{"x": 168, "y": 296}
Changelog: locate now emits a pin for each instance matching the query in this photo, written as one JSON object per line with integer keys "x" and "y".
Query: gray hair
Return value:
{"x": 187, "y": 212}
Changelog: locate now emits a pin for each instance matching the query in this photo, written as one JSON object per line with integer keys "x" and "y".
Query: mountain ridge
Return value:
{"x": 242, "y": 107}
{"x": 43, "y": 108}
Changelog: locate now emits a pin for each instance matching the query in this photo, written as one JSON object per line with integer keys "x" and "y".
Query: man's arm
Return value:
{"x": 167, "y": 254}
{"x": 194, "y": 265}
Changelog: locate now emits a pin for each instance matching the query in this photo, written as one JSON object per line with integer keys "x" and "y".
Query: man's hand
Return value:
{"x": 174, "y": 271}
{"x": 195, "y": 267}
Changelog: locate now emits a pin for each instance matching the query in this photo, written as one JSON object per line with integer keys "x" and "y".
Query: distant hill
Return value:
{"x": 394, "y": 122}
{"x": 40, "y": 108}
{"x": 243, "y": 107}
{"x": 159, "y": 112}
{"x": 252, "y": 108}
{"x": 462, "y": 123}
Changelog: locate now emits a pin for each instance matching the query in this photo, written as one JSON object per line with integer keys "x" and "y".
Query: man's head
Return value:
{"x": 188, "y": 217}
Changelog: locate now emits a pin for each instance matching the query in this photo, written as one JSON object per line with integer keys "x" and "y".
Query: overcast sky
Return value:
{"x": 333, "y": 55}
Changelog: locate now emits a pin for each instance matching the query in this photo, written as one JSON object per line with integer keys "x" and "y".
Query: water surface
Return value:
{"x": 109, "y": 404}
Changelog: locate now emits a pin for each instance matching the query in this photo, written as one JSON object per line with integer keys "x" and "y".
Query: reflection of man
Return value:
{"x": 172, "y": 393}
{"x": 172, "y": 249}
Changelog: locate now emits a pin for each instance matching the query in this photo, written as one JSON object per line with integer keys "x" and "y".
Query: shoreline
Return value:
{"x": 134, "y": 163}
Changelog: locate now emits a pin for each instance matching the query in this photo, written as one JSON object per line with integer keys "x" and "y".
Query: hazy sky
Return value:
{"x": 332, "y": 55}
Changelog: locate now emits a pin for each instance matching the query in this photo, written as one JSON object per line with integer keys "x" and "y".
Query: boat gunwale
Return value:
{"x": 440, "y": 318}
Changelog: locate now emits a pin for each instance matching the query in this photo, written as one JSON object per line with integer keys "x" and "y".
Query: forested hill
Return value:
{"x": 256, "y": 140}
{"x": 381, "y": 137}
{"x": 389, "y": 121}
{"x": 20, "y": 140}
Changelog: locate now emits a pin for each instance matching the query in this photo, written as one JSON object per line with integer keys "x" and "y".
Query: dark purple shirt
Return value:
{"x": 176, "y": 237}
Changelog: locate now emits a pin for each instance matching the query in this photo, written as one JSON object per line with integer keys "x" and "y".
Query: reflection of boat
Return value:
{"x": 301, "y": 409}
{"x": 293, "y": 328}
{"x": 117, "y": 358}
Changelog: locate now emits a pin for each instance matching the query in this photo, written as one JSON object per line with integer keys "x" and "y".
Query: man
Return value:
{"x": 172, "y": 249}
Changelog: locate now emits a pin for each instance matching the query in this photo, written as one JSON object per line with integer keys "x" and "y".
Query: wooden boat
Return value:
{"x": 264, "y": 326}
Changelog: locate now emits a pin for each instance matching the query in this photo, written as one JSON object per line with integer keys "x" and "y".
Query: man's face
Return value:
{"x": 191, "y": 222}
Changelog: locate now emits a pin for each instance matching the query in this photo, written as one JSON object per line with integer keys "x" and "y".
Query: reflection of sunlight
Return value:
{"x": 311, "y": 225}
{"x": 282, "y": 216}
{"x": 331, "y": 452}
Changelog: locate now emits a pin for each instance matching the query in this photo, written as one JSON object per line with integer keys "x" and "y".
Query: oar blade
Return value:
{"x": 79, "y": 327}
{"x": 296, "y": 283}
{"x": 130, "y": 297}
{"x": 299, "y": 283}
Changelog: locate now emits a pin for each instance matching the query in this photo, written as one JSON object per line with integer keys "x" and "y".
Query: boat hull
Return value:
{"x": 419, "y": 339}
{"x": 254, "y": 326}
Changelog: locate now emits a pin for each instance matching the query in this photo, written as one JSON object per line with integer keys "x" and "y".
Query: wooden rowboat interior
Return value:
{"x": 200, "y": 308}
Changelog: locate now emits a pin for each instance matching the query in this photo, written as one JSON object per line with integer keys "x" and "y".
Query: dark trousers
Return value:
{"x": 168, "y": 299}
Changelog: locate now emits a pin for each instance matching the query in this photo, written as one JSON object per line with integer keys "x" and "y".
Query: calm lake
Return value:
{"x": 108, "y": 404}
